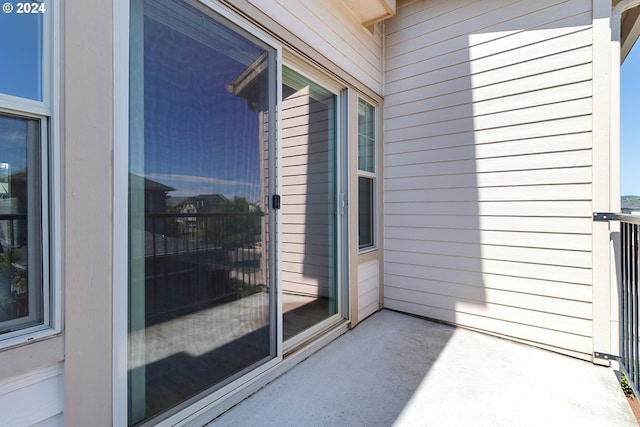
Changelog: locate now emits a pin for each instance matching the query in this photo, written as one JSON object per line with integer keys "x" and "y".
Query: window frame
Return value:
{"x": 45, "y": 112}
{"x": 371, "y": 176}
{"x": 300, "y": 66}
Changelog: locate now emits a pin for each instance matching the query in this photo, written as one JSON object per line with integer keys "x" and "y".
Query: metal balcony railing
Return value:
{"x": 629, "y": 307}
{"x": 14, "y": 291}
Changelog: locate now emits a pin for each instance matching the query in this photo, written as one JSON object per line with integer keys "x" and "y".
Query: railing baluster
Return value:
{"x": 629, "y": 308}
{"x": 624, "y": 291}
{"x": 13, "y": 236}
{"x": 632, "y": 305}
{"x": 629, "y": 298}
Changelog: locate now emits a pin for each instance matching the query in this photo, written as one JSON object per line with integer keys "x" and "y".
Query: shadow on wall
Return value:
{"x": 487, "y": 174}
{"x": 308, "y": 220}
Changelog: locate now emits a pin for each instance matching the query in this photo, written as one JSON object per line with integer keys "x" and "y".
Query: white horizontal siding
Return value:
{"x": 495, "y": 288}
{"x": 485, "y": 21}
{"x": 35, "y": 398}
{"x": 331, "y": 29}
{"x": 527, "y": 238}
{"x": 555, "y": 175}
{"x": 495, "y": 223}
{"x": 558, "y": 340}
{"x": 527, "y": 88}
{"x": 410, "y": 248}
{"x": 488, "y": 167}
{"x": 305, "y": 216}
{"x": 368, "y": 288}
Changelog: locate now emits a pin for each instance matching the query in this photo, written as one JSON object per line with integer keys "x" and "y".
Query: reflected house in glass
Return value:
{"x": 198, "y": 204}
{"x": 210, "y": 191}
{"x": 155, "y": 197}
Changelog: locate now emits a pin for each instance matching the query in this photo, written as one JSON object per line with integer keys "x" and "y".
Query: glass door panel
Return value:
{"x": 201, "y": 306}
{"x": 308, "y": 174}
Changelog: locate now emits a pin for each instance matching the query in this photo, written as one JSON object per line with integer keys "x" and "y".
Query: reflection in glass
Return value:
{"x": 366, "y": 136}
{"x": 309, "y": 280}
{"x": 366, "y": 170}
{"x": 200, "y": 310}
{"x": 21, "y": 54}
{"x": 365, "y": 212}
{"x": 21, "y": 290}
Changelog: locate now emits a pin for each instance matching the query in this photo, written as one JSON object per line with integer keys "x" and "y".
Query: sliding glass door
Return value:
{"x": 309, "y": 276}
{"x": 218, "y": 284}
{"x": 202, "y": 306}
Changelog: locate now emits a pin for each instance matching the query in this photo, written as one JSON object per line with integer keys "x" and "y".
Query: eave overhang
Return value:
{"x": 369, "y": 12}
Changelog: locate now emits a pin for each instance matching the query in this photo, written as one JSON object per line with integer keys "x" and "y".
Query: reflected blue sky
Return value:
{"x": 20, "y": 54}
{"x": 199, "y": 138}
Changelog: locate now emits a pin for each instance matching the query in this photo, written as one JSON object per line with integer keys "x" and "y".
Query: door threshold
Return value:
{"x": 309, "y": 339}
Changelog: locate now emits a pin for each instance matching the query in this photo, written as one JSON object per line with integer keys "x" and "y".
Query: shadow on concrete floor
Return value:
{"x": 400, "y": 370}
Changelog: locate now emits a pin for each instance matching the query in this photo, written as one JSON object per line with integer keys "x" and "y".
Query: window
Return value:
{"x": 25, "y": 117}
{"x": 201, "y": 306}
{"x": 366, "y": 174}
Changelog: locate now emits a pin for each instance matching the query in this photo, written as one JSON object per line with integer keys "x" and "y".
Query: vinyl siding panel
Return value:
{"x": 368, "y": 288}
{"x": 488, "y": 167}
{"x": 527, "y": 239}
{"x": 35, "y": 398}
{"x": 334, "y": 32}
{"x": 306, "y": 189}
{"x": 413, "y": 248}
{"x": 554, "y": 339}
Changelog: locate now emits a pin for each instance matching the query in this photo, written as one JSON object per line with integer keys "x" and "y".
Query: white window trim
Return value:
{"x": 370, "y": 175}
{"x": 47, "y": 112}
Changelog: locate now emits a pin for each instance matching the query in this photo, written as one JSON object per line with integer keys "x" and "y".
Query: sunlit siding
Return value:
{"x": 331, "y": 29}
{"x": 488, "y": 167}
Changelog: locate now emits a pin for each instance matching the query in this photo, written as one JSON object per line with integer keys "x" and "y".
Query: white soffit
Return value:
{"x": 369, "y": 12}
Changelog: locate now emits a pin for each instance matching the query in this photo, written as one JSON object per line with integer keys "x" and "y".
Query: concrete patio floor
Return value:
{"x": 398, "y": 370}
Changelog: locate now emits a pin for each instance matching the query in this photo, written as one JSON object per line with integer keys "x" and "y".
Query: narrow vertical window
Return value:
{"x": 366, "y": 174}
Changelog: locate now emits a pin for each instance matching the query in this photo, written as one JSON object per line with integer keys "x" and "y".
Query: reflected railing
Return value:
{"x": 194, "y": 261}
{"x": 14, "y": 292}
